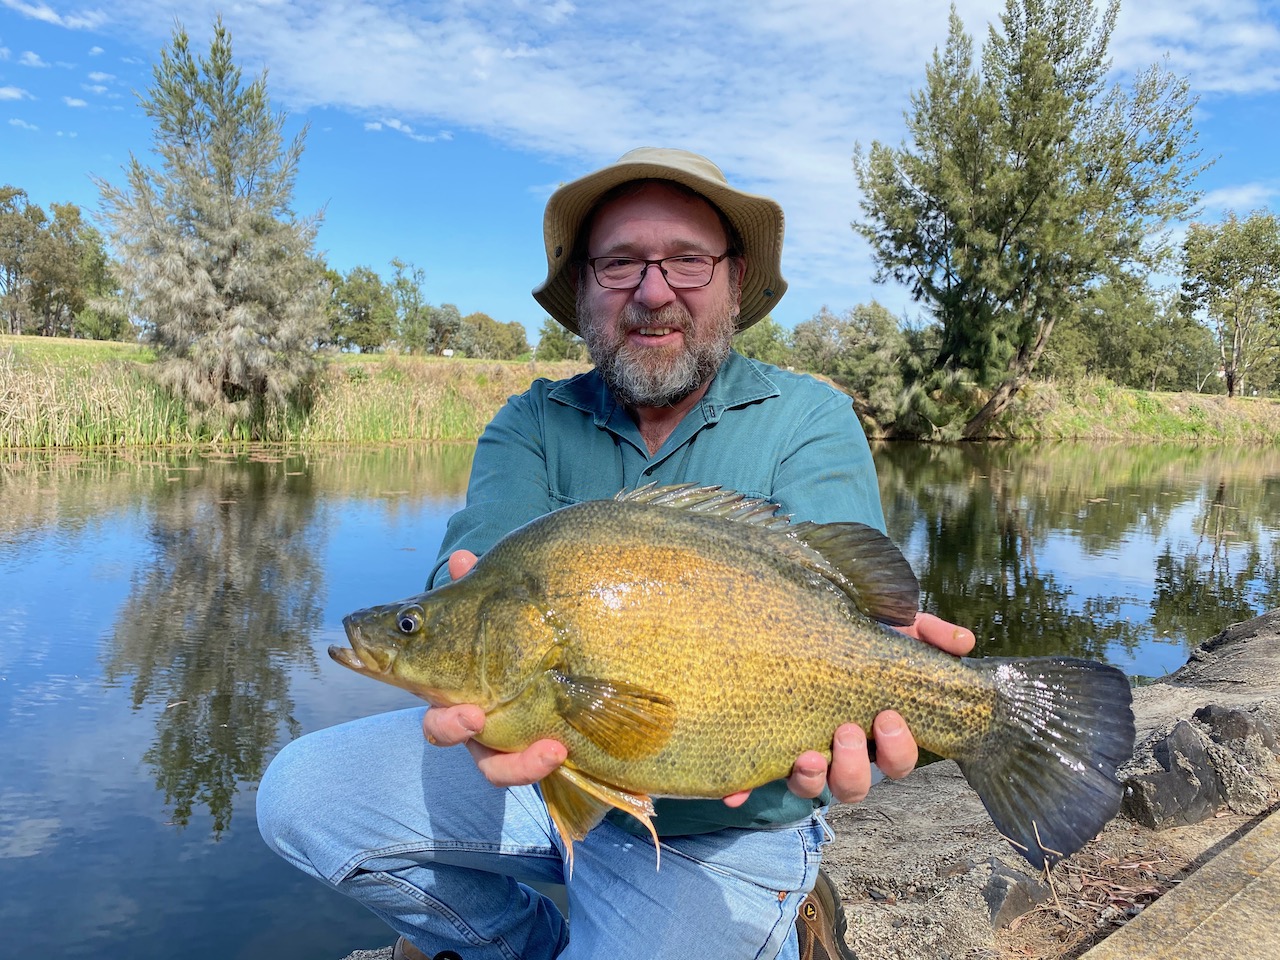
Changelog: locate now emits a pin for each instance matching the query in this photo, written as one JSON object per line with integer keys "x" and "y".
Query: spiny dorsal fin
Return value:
{"x": 712, "y": 500}
{"x": 858, "y": 560}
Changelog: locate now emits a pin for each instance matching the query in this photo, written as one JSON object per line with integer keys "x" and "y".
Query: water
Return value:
{"x": 163, "y": 621}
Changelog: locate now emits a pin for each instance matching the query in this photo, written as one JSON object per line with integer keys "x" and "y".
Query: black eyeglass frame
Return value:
{"x": 591, "y": 261}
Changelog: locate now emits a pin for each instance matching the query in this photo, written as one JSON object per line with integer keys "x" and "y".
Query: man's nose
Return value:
{"x": 654, "y": 291}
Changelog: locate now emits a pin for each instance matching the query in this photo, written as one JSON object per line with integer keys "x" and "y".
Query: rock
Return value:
{"x": 1009, "y": 894}
{"x": 1186, "y": 791}
{"x": 1226, "y": 725}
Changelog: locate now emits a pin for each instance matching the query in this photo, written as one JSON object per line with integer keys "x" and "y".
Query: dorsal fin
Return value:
{"x": 858, "y": 560}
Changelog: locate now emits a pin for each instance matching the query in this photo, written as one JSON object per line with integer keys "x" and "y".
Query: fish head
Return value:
{"x": 414, "y": 644}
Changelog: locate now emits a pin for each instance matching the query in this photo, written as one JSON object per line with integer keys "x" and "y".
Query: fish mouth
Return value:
{"x": 374, "y": 660}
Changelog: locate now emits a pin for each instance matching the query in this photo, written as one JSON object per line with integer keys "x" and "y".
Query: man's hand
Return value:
{"x": 450, "y": 726}
{"x": 849, "y": 775}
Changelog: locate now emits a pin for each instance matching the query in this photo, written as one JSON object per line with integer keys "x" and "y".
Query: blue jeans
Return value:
{"x": 416, "y": 834}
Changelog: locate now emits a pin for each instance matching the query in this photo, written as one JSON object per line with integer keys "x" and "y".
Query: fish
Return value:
{"x": 691, "y": 641}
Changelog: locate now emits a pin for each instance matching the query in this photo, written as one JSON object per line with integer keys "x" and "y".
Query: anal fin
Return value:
{"x": 577, "y": 802}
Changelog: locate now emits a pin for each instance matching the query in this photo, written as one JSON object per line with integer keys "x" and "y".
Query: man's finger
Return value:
{"x": 449, "y": 726}
{"x": 850, "y": 774}
{"x": 896, "y": 751}
{"x": 518, "y": 769}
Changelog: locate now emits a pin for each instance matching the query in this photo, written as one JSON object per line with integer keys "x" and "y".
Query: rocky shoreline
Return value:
{"x": 924, "y": 876}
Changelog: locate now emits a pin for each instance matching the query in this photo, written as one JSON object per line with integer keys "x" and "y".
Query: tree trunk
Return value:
{"x": 1019, "y": 373}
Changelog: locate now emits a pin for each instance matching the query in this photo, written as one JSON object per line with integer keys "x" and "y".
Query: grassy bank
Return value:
{"x": 76, "y": 393}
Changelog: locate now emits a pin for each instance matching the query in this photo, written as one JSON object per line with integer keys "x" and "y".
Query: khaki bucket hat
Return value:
{"x": 757, "y": 219}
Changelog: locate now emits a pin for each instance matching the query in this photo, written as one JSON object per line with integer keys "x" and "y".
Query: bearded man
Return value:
{"x": 657, "y": 262}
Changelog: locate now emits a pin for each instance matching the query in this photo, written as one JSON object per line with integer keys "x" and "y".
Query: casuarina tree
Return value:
{"x": 1026, "y": 179}
{"x": 216, "y": 267}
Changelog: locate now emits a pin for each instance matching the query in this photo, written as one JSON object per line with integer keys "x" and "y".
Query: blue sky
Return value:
{"x": 437, "y": 129}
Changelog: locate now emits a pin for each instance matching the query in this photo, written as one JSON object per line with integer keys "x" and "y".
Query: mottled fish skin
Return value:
{"x": 687, "y": 642}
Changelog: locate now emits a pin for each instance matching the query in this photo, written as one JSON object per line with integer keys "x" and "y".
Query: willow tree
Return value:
{"x": 1026, "y": 179}
{"x": 215, "y": 265}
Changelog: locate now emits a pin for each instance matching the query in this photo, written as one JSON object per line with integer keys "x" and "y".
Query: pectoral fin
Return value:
{"x": 622, "y": 719}
{"x": 577, "y": 803}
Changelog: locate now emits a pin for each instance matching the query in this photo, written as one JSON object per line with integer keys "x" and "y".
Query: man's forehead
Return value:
{"x": 657, "y": 207}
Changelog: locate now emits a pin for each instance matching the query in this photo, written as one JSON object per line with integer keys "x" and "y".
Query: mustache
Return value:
{"x": 674, "y": 316}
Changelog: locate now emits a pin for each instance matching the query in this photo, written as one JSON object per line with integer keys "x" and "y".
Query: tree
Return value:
{"x": 1232, "y": 276}
{"x": 1025, "y": 181}
{"x": 765, "y": 340}
{"x": 20, "y": 225}
{"x": 486, "y": 337}
{"x": 366, "y": 311}
{"x": 214, "y": 263}
{"x": 557, "y": 343}
{"x": 413, "y": 313}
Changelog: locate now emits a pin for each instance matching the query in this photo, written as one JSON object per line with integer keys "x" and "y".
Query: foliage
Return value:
{"x": 557, "y": 343}
{"x": 413, "y": 313}
{"x": 1026, "y": 180}
{"x": 1232, "y": 277}
{"x": 487, "y": 339}
{"x": 765, "y": 340}
{"x": 214, "y": 263}
{"x": 366, "y": 311}
{"x": 1135, "y": 337}
{"x": 51, "y": 271}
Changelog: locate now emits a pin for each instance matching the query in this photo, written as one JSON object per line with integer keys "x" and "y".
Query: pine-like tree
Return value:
{"x": 1028, "y": 178}
{"x": 215, "y": 265}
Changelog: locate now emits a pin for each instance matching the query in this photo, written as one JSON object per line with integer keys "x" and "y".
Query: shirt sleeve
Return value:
{"x": 508, "y": 485}
{"x": 826, "y": 473}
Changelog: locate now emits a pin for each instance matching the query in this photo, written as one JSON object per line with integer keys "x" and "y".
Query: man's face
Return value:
{"x": 654, "y": 345}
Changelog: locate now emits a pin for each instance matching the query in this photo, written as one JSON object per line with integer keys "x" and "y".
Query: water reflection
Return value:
{"x": 1116, "y": 552}
{"x": 211, "y": 626}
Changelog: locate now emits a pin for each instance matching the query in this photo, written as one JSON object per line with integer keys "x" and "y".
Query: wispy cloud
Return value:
{"x": 97, "y": 76}
{"x": 30, "y": 58}
{"x": 22, "y": 124}
{"x": 96, "y": 51}
{"x": 401, "y": 127}
{"x": 82, "y": 20}
{"x": 1241, "y": 199}
{"x": 75, "y": 102}
{"x": 14, "y": 93}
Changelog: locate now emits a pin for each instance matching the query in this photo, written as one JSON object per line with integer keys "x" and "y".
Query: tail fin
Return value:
{"x": 1047, "y": 771}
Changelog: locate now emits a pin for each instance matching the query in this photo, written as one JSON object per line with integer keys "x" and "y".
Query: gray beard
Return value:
{"x": 642, "y": 378}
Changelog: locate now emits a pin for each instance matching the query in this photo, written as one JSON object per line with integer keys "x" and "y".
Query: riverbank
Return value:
{"x": 80, "y": 393}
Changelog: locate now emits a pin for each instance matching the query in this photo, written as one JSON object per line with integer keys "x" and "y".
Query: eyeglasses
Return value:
{"x": 681, "y": 273}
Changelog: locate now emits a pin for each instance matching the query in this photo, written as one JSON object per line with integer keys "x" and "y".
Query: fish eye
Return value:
{"x": 409, "y": 619}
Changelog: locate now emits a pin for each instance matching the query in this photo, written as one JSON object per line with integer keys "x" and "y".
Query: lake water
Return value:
{"x": 164, "y": 619}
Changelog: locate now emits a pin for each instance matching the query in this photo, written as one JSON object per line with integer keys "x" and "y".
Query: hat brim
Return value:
{"x": 757, "y": 219}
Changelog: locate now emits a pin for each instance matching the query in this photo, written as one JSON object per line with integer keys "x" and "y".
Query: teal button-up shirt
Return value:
{"x": 758, "y": 430}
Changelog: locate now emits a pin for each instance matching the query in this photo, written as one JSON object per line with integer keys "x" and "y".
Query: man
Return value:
{"x": 657, "y": 262}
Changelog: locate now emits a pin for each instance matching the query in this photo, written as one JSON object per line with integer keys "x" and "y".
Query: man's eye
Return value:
{"x": 618, "y": 263}
{"x": 690, "y": 261}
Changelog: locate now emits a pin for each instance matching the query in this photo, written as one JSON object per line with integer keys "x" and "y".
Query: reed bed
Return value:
{"x": 104, "y": 402}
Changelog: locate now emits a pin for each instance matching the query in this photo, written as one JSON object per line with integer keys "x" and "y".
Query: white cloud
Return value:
{"x": 22, "y": 124}
{"x": 402, "y": 127}
{"x": 74, "y": 102}
{"x": 1242, "y": 198}
{"x": 14, "y": 93}
{"x": 84, "y": 20}
{"x": 71, "y": 135}
{"x": 97, "y": 76}
{"x": 94, "y": 88}
{"x": 96, "y": 51}
{"x": 31, "y": 59}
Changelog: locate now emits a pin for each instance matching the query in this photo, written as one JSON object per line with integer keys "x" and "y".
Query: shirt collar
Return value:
{"x": 738, "y": 382}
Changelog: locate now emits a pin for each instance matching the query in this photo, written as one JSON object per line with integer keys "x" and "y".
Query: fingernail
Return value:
{"x": 850, "y": 740}
{"x": 467, "y": 725}
{"x": 890, "y": 726}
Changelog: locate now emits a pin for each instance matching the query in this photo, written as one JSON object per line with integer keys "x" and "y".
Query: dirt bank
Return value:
{"x": 914, "y": 861}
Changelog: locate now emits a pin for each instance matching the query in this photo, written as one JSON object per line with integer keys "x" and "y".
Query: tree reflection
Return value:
{"x": 212, "y": 627}
{"x": 975, "y": 518}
